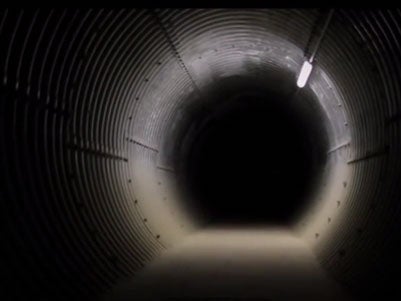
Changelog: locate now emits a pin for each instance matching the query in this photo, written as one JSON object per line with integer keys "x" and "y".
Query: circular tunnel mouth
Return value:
{"x": 253, "y": 158}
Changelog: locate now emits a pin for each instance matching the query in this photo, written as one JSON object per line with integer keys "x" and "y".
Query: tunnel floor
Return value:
{"x": 233, "y": 264}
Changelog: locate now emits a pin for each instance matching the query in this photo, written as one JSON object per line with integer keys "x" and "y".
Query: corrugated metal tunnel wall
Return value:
{"x": 88, "y": 97}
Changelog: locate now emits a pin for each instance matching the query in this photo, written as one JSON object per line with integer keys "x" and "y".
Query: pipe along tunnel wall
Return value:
{"x": 102, "y": 113}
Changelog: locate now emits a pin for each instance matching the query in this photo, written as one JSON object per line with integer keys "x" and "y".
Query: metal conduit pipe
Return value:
{"x": 94, "y": 104}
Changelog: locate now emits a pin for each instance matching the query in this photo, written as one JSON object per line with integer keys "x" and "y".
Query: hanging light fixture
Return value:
{"x": 307, "y": 66}
{"x": 304, "y": 74}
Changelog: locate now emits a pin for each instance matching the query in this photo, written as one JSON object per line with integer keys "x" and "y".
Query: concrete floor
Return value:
{"x": 233, "y": 264}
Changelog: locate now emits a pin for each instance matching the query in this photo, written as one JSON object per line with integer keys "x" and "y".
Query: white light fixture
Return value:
{"x": 304, "y": 74}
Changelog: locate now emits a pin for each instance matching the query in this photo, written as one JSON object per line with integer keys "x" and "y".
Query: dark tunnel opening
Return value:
{"x": 253, "y": 159}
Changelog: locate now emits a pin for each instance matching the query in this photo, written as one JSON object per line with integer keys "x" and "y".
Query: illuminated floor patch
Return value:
{"x": 234, "y": 264}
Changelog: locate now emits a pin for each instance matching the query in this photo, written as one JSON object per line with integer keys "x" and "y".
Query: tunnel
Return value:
{"x": 168, "y": 154}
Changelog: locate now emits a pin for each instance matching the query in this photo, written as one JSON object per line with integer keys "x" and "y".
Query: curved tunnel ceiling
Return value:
{"x": 89, "y": 97}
